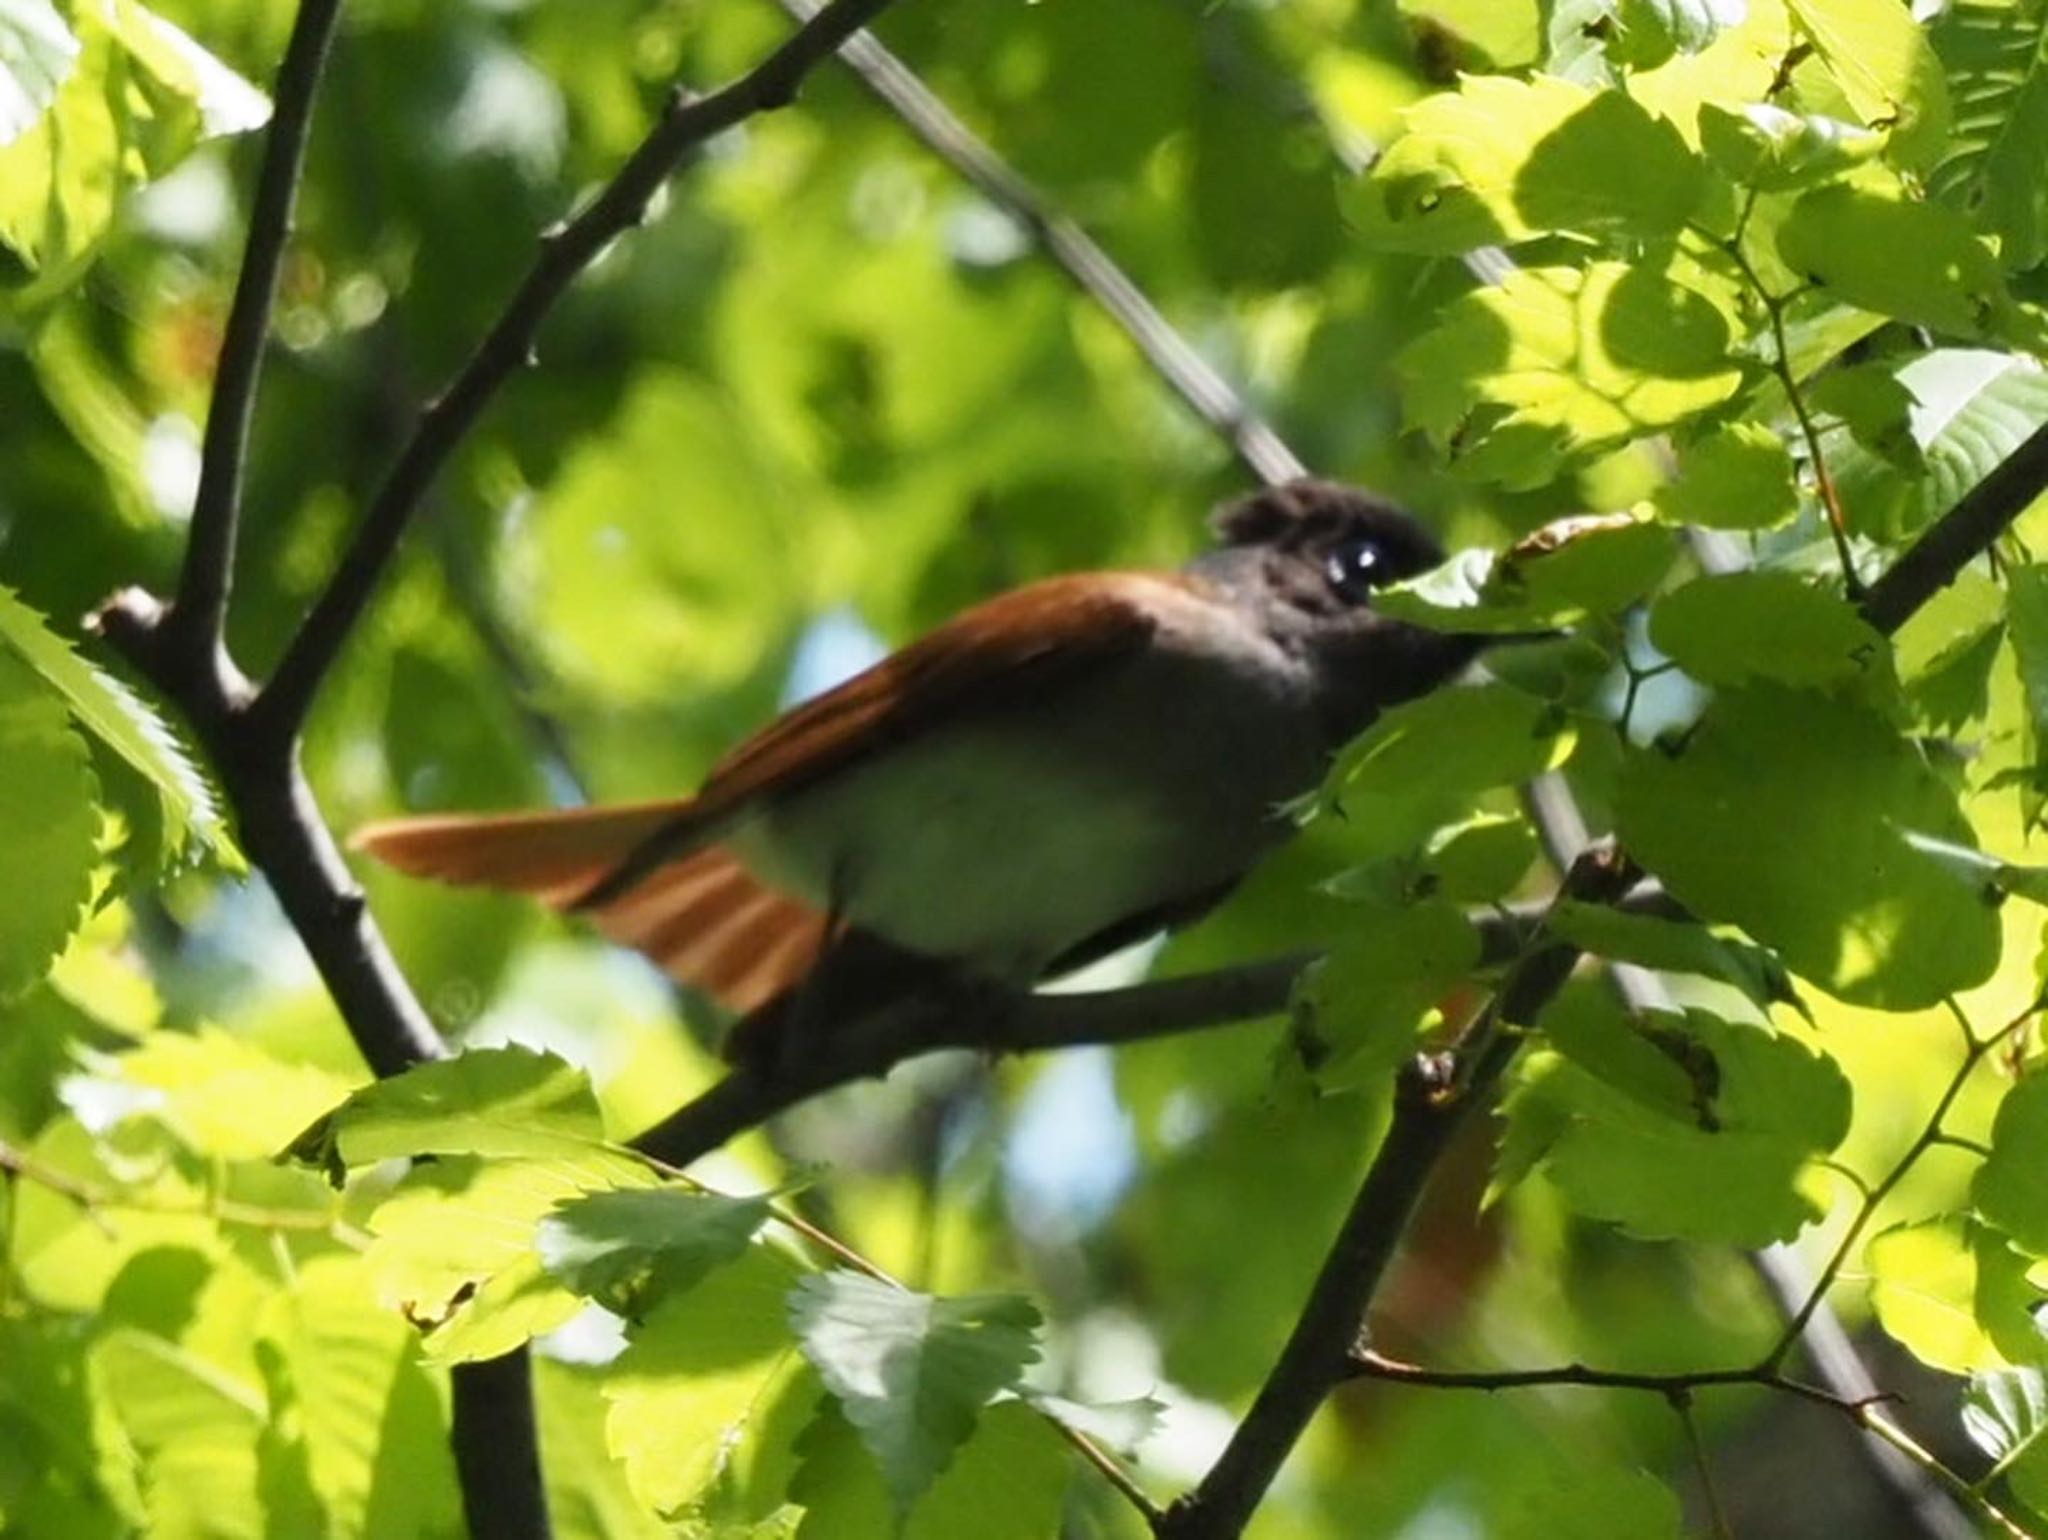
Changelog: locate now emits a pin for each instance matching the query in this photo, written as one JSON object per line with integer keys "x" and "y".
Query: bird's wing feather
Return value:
{"x": 701, "y": 917}
{"x": 998, "y": 655}
{"x": 651, "y": 874}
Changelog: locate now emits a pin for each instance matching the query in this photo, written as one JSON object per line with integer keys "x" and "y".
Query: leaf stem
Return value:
{"x": 1781, "y": 366}
{"x": 1931, "y": 1133}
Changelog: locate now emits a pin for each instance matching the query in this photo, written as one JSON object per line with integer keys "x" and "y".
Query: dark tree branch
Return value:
{"x": 1263, "y": 452}
{"x": 751, "y": 1094}
{"x": 508, "y": 346}
{"x": 200, "y": 612}
{"x": 1318, "y": 1352}
{"x": 1961, "y": 535}
{"x": 1367, "y": 1365}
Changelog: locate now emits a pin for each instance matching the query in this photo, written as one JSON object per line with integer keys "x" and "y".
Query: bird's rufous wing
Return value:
{"x": 652, "y": 876}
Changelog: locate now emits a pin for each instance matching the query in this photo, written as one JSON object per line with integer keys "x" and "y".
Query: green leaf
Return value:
{"x": 1914, "y": 262}
{"x": 626, "y": 1250}
{"x": 1786, "y": 813}
{"x": 1736, "y": 627}
{"x": 1877, "y": 52}
{"x": 375, "y": 1434}
{"x": 1972, "y": 408}
{"x": 1674, "y": 946}
{"x": 1954, "y": 689}
{"x": 1773, "y": 150}
{"x": 1875, "y": 406}
{"x": 709, "y": 1385}
{"x": 1953, "y": 1292}
{"x": 37, "y": 54}
{"x": 2011, "y": 1187}
{"x": 483, "y": 1101}
{"x": 1561, "y": 362}
{"x": 1426, "y": 760}
{"x": 114, "y": 715}
{"x": 218, "y": 1093}
{"x": 1676, "y": 1127}
{"x": 1565, "y": 571}
{"x": 1682, "y": 26}
{"x": 587, "y": 1493}
{"x": 1994, "y": 54}
{"x": 49, "y": 827}
{"x": 1359, "y": 1009}
{"x": 1502, "y": 160}
{"x": 1738, "y": 477}
{"x": 1480, "y": 860}
{"x": 139, "y": 94}
{"x": 2026, "y": 614}
{"x": 2006, "y": 1413}
{"x": 455, "y": 1244}
{"x": 911, "y": 1371}
{"x": 1008, "y": 1482}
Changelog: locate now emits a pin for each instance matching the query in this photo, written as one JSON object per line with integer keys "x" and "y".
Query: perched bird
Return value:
{"x": 1058, "y": 772}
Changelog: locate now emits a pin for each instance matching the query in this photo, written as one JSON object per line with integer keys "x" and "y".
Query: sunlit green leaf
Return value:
{"x": 135, "y": 99}
{"x": 1952, "y": 1292}
{"x": 711, "y": 1381}
{"x": 1007, "y": 1482}
{"x": 1737, "y": 477}
{"x": 37, "y": 53}
{"x": 1769, "y": 148}
{"x": 1971, "y": 409}
{"x": 1559, "y": 575}
{"x": 1914, "y": 262}
{"x": 451, "y": 1230}
{"x": 1736, "y": 627}
{"x": 2011, "y": 1189}
{"x": 1877, "y": 52}
{"x": 113, "y": 714}
{"x": 626, "y": 1249}
{"x": 1992, "y": 51}
{"x": 1813, "y": 859}
{"x": 485, "y": 1101}
{"x": 2006, "y": 1414}
{"x": 1561, "y": 361}
{"x": 1503, "y": 159}
{"x": 48, "y": 826}
{"x": 911, "y": 1371}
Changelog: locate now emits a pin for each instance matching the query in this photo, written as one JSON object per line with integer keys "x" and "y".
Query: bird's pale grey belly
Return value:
{"x": 1012, "y": 838}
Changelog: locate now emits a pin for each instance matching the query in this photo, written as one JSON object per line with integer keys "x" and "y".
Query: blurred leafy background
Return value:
{"x": 828, "y": 396}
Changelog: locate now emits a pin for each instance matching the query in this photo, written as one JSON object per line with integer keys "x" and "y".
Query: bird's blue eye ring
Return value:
{"x": 1354, "y": 568}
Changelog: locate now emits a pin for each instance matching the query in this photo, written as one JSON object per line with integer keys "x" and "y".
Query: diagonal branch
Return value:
{"x": 200, "y": 613}
{"x": 1264, "y": 453}
{"x": 1959, "y": 536}
{"x": 508, "y": 346}
{"x": 1318, "y": 1354}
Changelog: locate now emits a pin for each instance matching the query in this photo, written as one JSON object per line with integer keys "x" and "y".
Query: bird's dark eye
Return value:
{"x": 1356, "y": 567}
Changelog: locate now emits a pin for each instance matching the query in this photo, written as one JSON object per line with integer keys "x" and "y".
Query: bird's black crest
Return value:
{"x": 1308, "y": 515}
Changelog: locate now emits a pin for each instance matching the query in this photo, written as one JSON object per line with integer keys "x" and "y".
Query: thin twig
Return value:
{"x": 508, "y": 346}
{"x": 1366, "y": 1364}
{"x": 1874, "y": 1196}
{"x": 200, "y": 612}
{"x": 1264, "y": 453}
{"x": 1781, "y": 366}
